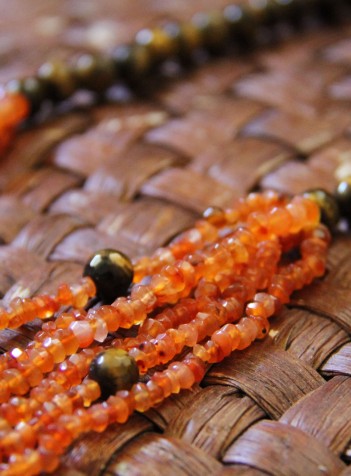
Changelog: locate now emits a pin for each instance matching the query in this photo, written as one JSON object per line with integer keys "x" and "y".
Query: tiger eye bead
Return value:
{"x": 343, "y": 197}
{"x": 328, "y": 205}
{"x": 58, "y": 78}
{"x": 93, "y": 72}
{"x": 112, "y": 273}
{"x": 131, "y": 61}
{"x": 113, "y": 370}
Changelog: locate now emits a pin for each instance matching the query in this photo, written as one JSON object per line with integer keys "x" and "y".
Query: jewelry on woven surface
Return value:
{"x": 209, "y": 292}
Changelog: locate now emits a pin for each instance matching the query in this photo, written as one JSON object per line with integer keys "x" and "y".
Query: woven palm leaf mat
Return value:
{"x": 132, "y": 173}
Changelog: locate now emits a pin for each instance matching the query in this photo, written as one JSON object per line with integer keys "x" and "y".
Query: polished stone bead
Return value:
{"x": 112, "y": 273}
{"x": 58, "y": 77}
{"x": 343, "y": 197}
{"x": 330, "y": 213}
{"x": 93, "y": 72}
{"x": 131, "y": 61}
{"x": 114, "y": 370}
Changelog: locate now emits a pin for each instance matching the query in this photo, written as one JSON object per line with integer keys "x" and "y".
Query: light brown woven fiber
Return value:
{"x": 132, "y": 175}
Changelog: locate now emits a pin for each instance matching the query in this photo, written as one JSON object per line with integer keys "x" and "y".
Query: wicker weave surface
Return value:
{"x": 132, "y": 175}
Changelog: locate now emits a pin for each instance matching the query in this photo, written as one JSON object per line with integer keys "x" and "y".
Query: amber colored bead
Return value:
{"x": 118, "y": 408}
{"x": 141, "y": 397}
{"x": 114, "y": 370}
{"x": 330, "y": 213}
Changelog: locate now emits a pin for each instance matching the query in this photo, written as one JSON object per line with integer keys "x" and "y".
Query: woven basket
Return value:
{"x": 132, "y": 174}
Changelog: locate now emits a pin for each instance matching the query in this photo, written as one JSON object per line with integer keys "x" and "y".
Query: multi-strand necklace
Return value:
{"x": 209, "y": 292}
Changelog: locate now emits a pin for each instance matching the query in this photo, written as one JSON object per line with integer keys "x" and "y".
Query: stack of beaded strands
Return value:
{"x": 210, "y": 292}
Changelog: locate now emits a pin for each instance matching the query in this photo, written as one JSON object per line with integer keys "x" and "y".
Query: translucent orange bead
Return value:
{"x": 279, "y": 221}
{"x": 164, "y": 382}
{"x": 183, "y": 374}
{"x": 196, "y": 366}
{"x": 155, "y": 392}
{"x": 41, "y": 358}
{"x": 16, "y": 382}
{"x": 110, "y": 316}
{"x": 118, "y": 409}
{"x": 55, "y": 348}
{"x": 68, "y": 340}
{"x": 64, "y": 295}
{"x": 99, "y": 416}
{"x": 48, "y": 460}
{"x": 248, "y": 332}
{"x": 13, "y": 109}
{"x": 141, "y": 396}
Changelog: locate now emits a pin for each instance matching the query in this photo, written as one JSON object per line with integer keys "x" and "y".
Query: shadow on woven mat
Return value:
{"x": 279, "y": 119}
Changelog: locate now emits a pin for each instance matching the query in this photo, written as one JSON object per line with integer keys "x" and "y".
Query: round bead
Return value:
{"x": 330, "y": 213}
{"x": 343, "y": 197}
{"x": 112, "y": 273}
{"x": 113, "y": 370}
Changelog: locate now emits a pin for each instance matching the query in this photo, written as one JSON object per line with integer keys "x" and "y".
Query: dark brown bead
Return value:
{"x": 161, "y": 44}
{"x": 132, "y": 61}
{"x": 343, "y": 197}
{"x": 330, "y": 213}
{"x": 112, "y": 273}
{"x": 114, "y": 369}
{"x": 213, "y": 29}
{"x": 94, "y": 72}
{"x": 58, "y": 77}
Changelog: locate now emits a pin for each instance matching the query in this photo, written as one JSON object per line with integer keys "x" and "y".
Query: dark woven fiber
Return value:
{"x": 132, "y": 175}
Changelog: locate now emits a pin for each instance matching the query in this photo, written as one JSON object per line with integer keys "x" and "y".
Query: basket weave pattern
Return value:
{"x": 131, "y": 176}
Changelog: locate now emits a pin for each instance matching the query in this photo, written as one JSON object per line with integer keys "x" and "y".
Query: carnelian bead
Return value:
{"x": 248, "y": 332}
{"x": 223, "y": 340}
{"x": 55, "y": 438}
{"x": 68, "y": 340}
{"x": 99, "y": 416}
{"x": 31, "y": 373}
{"x": 183, "y": 374}
{"x": 120, "y": 408}
{"x": 175, "y": 384}
{"x": 55, "y": 348}
{"x": 196, "y": 366}
{"x": 48, "y": 459}
{"x": 141, "y": 396}
{"x": 163, "y": 381}
{"x": 90, "y": 391}
{"x": 155, "y": 392}
{"x": 262, "y": 325}
{"x": 71, "y": 372}
{"x": 83, "y": 332}
{"x": 64, "y": 295}
{"x": 279, "y": 221}
{"x": 16, "y": 382}
{"x": 13, "y": 109}
{"x": 111, "y": 317}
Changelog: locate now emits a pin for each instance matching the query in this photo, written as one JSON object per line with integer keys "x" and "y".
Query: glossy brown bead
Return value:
{"x": 33, "y": 88}
{"x": 343, "y": 197}
{"x": 131, "y": 61}
{"x": 93, "y": 72}
{"x": 112, "y": 273}
{"x": 330, "y": 213}
{"x": 114, "y": 370}
{"x": 58, "y": 77}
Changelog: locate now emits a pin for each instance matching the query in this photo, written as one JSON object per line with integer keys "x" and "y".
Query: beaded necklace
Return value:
{"x": 209, "y": 292}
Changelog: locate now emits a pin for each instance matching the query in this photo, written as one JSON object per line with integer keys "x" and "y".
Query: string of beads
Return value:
{"x": 221, "y": 282}
{"x": 210, "y": 292}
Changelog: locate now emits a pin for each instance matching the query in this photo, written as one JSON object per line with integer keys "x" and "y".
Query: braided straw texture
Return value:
{"x": 132, "y": 175}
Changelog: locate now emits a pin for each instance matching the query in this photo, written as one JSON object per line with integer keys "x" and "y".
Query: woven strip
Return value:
{"x": 131, "y": 176}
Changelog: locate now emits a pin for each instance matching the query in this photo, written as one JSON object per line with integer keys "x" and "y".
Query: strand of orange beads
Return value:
{"x": 67, "y": 334}
{"x": 141, "y": 389}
